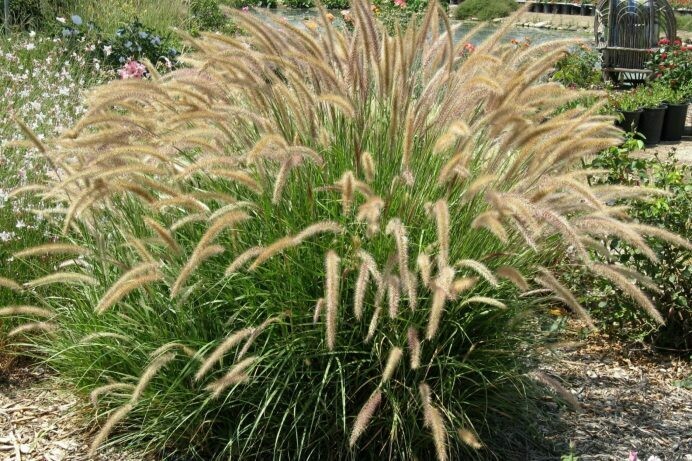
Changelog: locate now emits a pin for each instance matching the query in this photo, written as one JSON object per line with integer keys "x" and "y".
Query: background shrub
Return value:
{"x": 485, "y": 10}
{"x": 35, "y": 14}
{"x": 206, "y": 15}
{"x": 672, "y": 276}
{"x": 579, "y": 68}
{"x": 136, "y": 41}
{"x": 299, "y": 3}
{"x": 336, "y": 4}
{"x": 256, "y": 3}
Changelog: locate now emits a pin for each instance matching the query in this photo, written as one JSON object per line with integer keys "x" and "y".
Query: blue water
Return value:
{"x": 534, "y": 35}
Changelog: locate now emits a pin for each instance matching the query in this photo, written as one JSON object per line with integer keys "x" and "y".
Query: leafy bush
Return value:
{"x": 135, "y": 41}
{"x": 579, "y": 68}
{"x": 336, "y": 4}
{"x": 671, "y": 277}
{"x": 34, "y": 14}
{"x": 299, "y": 3}
{"x": 206, "y": 15}
{"x": 317, "y": 244}
{"x": 671, "y": 63}
{"x": 256, "y": 3}
{"x": 485, "y": 10}
{"x": 132, "y": 42}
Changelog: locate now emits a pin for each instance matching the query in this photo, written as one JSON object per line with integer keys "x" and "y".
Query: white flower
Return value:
{"x": 6, "y": 236}
{"x": 653, "y": 458}
{"x": 30, "y": 46}
{"x": 108, "y": 50}
{"x": 20, "y": 224}
{"x": 32, "y": 34}
{"x": 60, "y": 20}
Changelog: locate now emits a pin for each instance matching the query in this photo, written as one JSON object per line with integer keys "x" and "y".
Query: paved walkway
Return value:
{"x": 566, "y": 20}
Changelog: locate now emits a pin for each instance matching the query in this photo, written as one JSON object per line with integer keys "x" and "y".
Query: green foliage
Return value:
{"x": 43, "y": 84}
{"x": 671, "y": 63}
{"x": 485, "y": 10}
{"x": 672, "y": 275}
{"x": 299, "y": 3}
{"x": 684, "y": 22}
{"x": 256, "y": 3}
{"x": 114, "y": 14}
{"x": 34, "y": 14}
{"x": 578, "y": 69}
{"x": 625, "y": 101}
{"x": 136, "y": 41}
{"x": 336, "y": 4}
{"x": 206, "y": 15}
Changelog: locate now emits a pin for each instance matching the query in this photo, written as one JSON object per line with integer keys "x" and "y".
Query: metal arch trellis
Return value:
{"x": 625, "y": 30}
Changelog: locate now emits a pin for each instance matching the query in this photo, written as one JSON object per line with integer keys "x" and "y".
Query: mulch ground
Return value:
{"x": 41, "y": 420}
{"x": 630, "y": 400}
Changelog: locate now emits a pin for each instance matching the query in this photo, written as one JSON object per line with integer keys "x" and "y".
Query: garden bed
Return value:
{"x": 631, "y": 399}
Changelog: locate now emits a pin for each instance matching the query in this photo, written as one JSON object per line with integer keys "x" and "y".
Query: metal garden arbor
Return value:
{"x": 626, "y": 29}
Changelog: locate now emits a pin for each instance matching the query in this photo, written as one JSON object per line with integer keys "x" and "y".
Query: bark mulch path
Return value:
{"x": 630, "y": 401}
{"x": 40, "y": 420}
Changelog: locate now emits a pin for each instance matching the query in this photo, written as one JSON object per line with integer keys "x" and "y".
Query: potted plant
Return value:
{"x": 590, "y": 8}
{"x": 671, "y": 64}
{"x": 627, "y": 104}
{"x": 651, "y": 120}
{"x": 548, "y": 6}
{"x": 676, "y": 114}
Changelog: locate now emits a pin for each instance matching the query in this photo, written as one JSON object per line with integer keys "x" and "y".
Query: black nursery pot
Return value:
{"x": 651, "y": 124}
{"x": 630, "y": 120}
{"x": 674, "y": 122}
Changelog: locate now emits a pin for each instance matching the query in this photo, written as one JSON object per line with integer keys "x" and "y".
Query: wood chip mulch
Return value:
{"x": 40, "y": 420}
{"x": 631, "y": 401}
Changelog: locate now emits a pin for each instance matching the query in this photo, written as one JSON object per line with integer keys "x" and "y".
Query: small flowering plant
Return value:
{"x": 136, "y": 42}
{"x": 132, "y": 69}
{"x": 671, "y": 62}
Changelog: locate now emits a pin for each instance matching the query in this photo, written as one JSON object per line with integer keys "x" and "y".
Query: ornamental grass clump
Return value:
{"x": 320, "y": 243}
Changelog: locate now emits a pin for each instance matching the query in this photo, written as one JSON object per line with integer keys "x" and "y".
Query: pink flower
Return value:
{"x": 633, "y": 456}
{"x": 469, "y": 48}
{"x": 400, "y": 3}
{"x": 132, "y": 69}
{"x": 245, "y": 9}
{"x": 664, "y": 41}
